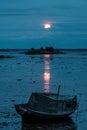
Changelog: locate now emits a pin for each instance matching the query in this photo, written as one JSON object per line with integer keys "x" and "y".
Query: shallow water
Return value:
{"x": 24, "y": 74}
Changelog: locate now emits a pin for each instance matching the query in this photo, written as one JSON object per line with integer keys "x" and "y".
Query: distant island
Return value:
{"x": 47, "y": 50}
{"x": 3, "y": 56}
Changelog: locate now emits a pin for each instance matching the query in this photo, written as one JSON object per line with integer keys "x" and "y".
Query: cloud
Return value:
{"x": 19, "y": 12}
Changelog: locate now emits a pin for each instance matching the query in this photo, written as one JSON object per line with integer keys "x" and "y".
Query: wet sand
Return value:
{"x": 23, "y": 74}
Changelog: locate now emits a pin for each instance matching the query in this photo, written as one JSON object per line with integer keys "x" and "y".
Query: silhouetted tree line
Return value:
{"x": 42, "y": 49}
{"x": 46, "y": 50}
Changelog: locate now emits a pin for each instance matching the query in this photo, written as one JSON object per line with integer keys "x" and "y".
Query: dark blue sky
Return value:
{"x": 21, "y": 23}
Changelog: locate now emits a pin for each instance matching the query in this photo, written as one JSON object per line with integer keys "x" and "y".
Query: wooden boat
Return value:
{"x": 47, "y": 105}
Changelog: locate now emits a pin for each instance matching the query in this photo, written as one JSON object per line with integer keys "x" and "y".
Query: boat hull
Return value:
{"x": 34, "y": 115}
{"x": 41, "y": 116}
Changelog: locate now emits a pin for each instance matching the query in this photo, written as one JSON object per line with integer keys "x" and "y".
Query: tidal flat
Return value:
{"x": 23, "y": 74}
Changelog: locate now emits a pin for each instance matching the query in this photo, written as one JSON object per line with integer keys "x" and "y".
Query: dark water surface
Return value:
{"x": 61, "y": 124}
{"x": 24, "y": 74}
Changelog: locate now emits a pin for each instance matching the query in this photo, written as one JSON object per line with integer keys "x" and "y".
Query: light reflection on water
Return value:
{"x": 66, "y": 124}
{"x": 46, "y": 74}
